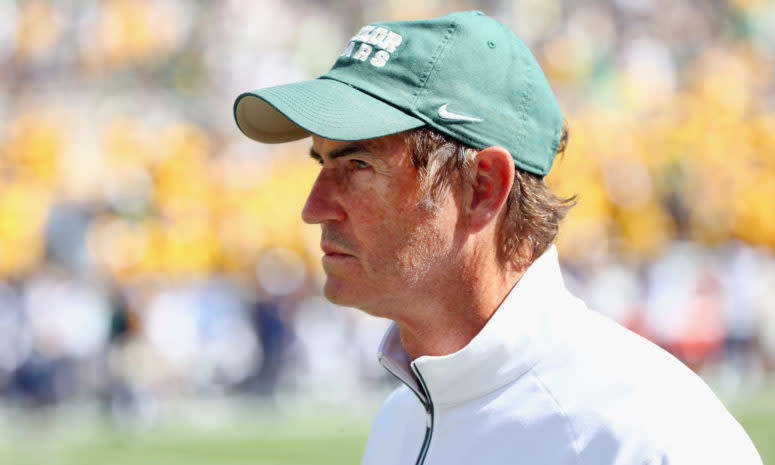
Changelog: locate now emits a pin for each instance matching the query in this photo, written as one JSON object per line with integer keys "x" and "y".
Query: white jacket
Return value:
{"x": 548, "y": 381}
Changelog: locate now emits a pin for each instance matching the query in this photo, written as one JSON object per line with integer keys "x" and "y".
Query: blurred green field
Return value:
{"x": 190, "y": 434}
{"x": 756, "y": 412}
{"x": 242, "y": 434}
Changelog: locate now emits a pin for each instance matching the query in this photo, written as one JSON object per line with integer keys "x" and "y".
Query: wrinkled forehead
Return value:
{"x": 393, "y": 146}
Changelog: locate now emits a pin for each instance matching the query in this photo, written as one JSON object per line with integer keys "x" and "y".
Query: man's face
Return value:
{"x": 382, "y": 248}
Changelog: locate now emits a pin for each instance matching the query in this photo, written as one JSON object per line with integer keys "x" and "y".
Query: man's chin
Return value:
{"x": 338, "y": 293}
{"x": 341, "y": 293}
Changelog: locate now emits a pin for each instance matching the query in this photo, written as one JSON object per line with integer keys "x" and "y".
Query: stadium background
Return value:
{"x": 160, "y": 297}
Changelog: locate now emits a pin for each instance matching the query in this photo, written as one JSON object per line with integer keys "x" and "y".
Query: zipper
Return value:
{"x": 426, "y": 443}
{"x": 425, "y": 399}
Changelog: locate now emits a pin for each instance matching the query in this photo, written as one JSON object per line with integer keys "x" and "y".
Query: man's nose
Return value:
{"x": 323, "y": 202}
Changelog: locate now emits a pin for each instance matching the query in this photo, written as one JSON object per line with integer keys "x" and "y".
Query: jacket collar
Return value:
{"x": 506, "y": 347}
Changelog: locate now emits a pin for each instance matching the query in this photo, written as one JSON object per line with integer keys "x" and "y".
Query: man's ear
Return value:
{"x": 491, "y": 185}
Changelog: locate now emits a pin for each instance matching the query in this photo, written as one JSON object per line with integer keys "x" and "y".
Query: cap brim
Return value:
{"x": 323, "y": 107}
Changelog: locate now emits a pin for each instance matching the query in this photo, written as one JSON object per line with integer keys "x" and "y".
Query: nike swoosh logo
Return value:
{"x": 448, "y": 115}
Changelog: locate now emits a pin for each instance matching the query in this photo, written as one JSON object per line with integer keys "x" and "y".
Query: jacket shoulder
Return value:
{"x": 627, "y": 399}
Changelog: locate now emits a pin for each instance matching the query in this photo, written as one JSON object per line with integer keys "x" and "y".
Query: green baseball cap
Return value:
{"x": 464, "y": 74}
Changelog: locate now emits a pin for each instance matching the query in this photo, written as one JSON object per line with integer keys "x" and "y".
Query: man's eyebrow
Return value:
{"x": 315, "y": 155}
{"x": 344, "y": 151}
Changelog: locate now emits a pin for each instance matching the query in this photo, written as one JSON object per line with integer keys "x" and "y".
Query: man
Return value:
{"x": 434, "y": 137}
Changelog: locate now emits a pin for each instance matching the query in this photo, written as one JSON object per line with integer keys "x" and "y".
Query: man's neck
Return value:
{"x": 453, "y": 320}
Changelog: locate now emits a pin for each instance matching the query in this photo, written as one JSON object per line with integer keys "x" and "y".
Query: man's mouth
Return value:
{"x": 331, "y": 250}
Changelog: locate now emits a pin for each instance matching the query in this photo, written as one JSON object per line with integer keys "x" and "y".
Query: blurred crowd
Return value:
{"x": 148, "y": 250}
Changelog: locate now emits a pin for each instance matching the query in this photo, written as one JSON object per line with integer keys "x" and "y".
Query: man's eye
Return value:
{"x": 359, "y": 164}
